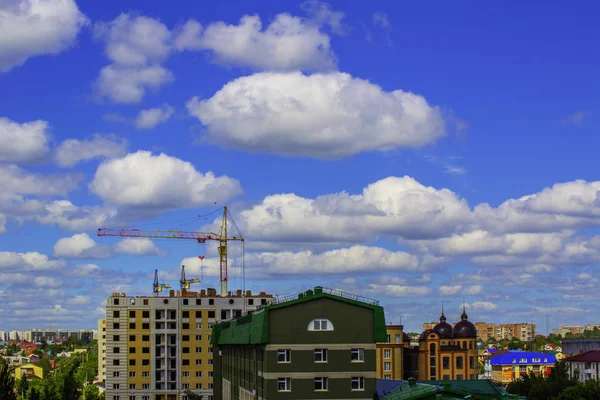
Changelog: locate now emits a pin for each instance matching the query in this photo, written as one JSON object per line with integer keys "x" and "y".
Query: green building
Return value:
{"x": 314, "y": 345}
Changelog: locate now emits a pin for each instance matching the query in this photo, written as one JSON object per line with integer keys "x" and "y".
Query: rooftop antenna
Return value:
{"x": 442, "y": 308}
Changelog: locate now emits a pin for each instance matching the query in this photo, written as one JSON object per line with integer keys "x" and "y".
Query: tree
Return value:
{"x": 22, "y": 386}
{"x": 33, "y": 394}
{"x": 193, "y": 396}
{"x": 7, "y": 382}
{"x": 92, "y": 392}
{"x": 45, "y": 365}
{"x": 515, "y": 344}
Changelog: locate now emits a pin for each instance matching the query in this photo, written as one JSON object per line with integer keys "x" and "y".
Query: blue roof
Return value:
{"x": 523, "y": 358}
{"x": 492, "y": 350}
{"x": 385, "y": 386}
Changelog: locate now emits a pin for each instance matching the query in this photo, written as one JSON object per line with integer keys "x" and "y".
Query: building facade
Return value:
{"x": 523, "y": 331}
{"x": 318, "y": 344}
{"x": 511, "y": 365}
{"x": 585, "y": 366}
{"x": 391, "y": 353}
{"x": 485, "y": 331}
{"x": 158, "y": 348}
{"x": 449, "y": 353}
{"x": 101, "y": 351}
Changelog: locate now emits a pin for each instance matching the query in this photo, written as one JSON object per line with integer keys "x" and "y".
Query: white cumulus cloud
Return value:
{"x": 79, "y": 246}
{"x": 31, "y": 28}
{"x": 159, "y": 182}
{"x": 327, "y": 116}
{"x": 27, "y": 142}
{"x": 137, "y": 246}
{"x": 73, "y": 151}
{"x": 288, "y": 43}
{"x": 148, "y": 119}
{"x": 18, "y": 181}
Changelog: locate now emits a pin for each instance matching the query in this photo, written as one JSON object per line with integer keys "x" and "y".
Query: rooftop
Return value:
{"x": 253, "y": 328}
{"x": 523, "y": 358}
{"x": 588, "y": 356}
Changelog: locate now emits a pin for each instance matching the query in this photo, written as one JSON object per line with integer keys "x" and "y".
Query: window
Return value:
{"x": 284, "y": 356}
{"x": 116, "y": 338}
{"x": 284, "y": 384}
{"x": 536, "y": 360}
{"x": 186, "y": 385}
{"x": 446, "y": 377}
{"x": 522, "y": 368}
{"x": 198, "y": 362}
{"x": 198, "y": 325}
{"x": 320, "y": 324}
{"x": 185, "y": 303}
{"x": 210, "y": 349}
{"x": 115, "y": 362}
{"x": 146, "y": 338}
{"x": 357, "y": 355}
{"x": 146, "y": 325}
{"x": 210, "y": 325}
{"x": 186, "y": 314}
{"x": 387, "y": 353}
{"x": 131, "y": 314}
{"x": 388, "y": 338}
{"x": 211, "y": 302}
{"x": 388, "y": 377}
{"x": 145, "y": 314}
{"x": 185, "y": 325}
{"x": 522, "y": 360}
{"x": 115, "y": 374}
{"x": 198, "y": 314}
{"x": 250, "y": 302}
{"x": 132, "y": 338}
{"x": 145, "y": 374}
{"x": 116, "y": 301}
{"x": 198, "y": 374}
{"x": 132, "y": 374}
{"x": 115, "y": 397}
{"x": 446, "y": 362}
{"x": 185, "y": 362}
{"x": 459, "y": 377}
{"x": 186, "y": 374}
{"x": 198, "y": 386}
{"x": 472, "y": 362}
{"x": 145, "y": 362}
{"x": 131, "y": 397}
{"x": 320, "y": 355}
{"x": 132, "y": 362}
{"x": 146, "y": 350}
{"x": 210, "y": 362}
{"x": 387, "y": 366}
{"x": 211, "y": 314}
{"x": 459, "y": 362}
{"x": 132, "y": 350}
{"x": 358, "y": 383}
{"x": 397, "y": 339}
{"x": 115, "y": 314}
{"x": 210, "y": 386}
{"x": 145, "y": 386}
{"x": 210, "y": 374}
{"x": 198, "y": 302}
{"x": 473, "y": 377}
{"x": 115, "y": 386}
{"x": 198, "y": 338}
{"x": 198, "y": 350}
{"x": 320, "y": 384}
{"x": 132, "y": 386}
{"x": 185, "y": 349}
{"x": 116, "y": 349}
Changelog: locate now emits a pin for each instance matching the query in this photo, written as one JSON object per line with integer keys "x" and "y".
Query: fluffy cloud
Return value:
{"x": 18, "y": 181}
{"x": 137, "y": 246}
{"x": 79, "y": 246}
{"x": 355, "y": 259}
{"x": 453, "y": 290}
{"x": 70, "y": 217}
{"x": 2, "y": 224}
{"x": 288, "y": 43}
{"x": 482, "y": 306}
{"x": 148, "y": 119}
{"x": 30, "y": 28}
{"x": 73, "y": 151}
{"x": 26, "y": 142}
{"x": 398, "y": 290}
{"x": 158, "y": 182}
{"x": 394, "y": 206}
{"x": 28, "y": 262}
{"x": 326, "y": 116}
{"x": 136, "y": 46}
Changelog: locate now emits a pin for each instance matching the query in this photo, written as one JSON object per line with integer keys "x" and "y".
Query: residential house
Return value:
{"x": 513, "y": 364}
{"x": 585, "y": 366}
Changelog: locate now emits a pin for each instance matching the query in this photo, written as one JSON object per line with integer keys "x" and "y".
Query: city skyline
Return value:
{"x": 408, "y": 153}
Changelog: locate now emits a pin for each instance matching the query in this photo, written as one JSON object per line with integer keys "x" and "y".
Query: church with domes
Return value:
{"x": 449, "y": 353}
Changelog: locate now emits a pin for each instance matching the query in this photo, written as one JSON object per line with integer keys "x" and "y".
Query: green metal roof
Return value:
{"x": 475, "y": 389}
{"x": 254, "y": 329}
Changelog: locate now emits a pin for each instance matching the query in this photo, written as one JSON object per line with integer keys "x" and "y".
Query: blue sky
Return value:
{"x": 411, "y": 152}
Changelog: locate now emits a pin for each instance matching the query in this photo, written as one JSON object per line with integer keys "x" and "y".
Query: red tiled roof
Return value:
{"x": 588, "y": 356}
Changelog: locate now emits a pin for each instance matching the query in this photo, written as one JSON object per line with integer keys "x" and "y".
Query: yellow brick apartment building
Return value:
{"x": 158, "y": 348}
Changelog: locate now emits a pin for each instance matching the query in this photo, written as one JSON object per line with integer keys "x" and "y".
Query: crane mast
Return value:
{"x": 201, "y": 237}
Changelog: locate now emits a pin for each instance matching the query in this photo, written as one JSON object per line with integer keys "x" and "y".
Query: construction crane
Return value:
{"x": 185, "y": 283}
{"x": 201, "y": 237}
{"x": 158, "y": 287}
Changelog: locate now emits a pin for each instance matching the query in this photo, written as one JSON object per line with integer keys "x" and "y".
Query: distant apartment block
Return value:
{"x": 485, "y": 331}
{"x": 101, "y": 350}
{"x": 53, "y": 335}
{"x": 591, "y": 327}
{"x": 585, "y": 366}
{"x": 158, "y": 348}
{"x": 572, "y": 329}
{"x": 523, "y": 331}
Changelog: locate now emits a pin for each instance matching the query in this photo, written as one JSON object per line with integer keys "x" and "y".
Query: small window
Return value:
{"x": 522, "y": 360}
{"x": 446, "y": 362}
{"x": 186, "y": 314}
{"x": 145, "y": 362}
{"x": 185, "y": 362}
{"x": 116, "y": 325}
{"x": 146, "y": 350}
{"x": 211, "y": 302}
{"x": 536, "y": 360}
{"x": 320, "y": 324}
{"x": 387, "y": 353}
{"x": 145, "y": 374}
{"x": 185, "y": 303}
{"x": 284, "y": 384}
{"x": 284, "y": 356}
{"x": 459, "y": 377}
{"x": 320, "y": 384}
{"x": 320, "y": 355}
{"x": 198, "y": 350}
{"x": 198, "y": 302}
{"x": 459, "y": 362}
{"x": 250, "y": 302}
{"x": 132, "y": 325}
{"x": 145, "y": 338}
{"x": 185, "y": 338}
{"x": 185, "y": 350}
{"x": 198, "y": 362}
{"x": 132, "y": 338}
{"x": 115, "y": 314}
{"x": 132, "y": 374}
{"x": 131, "y": 314}
{"x": 132, "y": 350}
{"x": 186, "y": 374}
{"x": 198, "y": 374}
{"x": 115, "y": 362}
{"x": 198, "y": 314}
{"x": 211, "y": 314}
{"x": 146, "y": 326}
{"x": 145, "y": 303}
{"x": 116, "y": 302}
{"x": 132, "y": 387}
{"x": 387, "y": 366}
{"x": 145, "y": 314}
{"x": 198, "y": 338}
{"x": 358, "y": 383}
{"x": 132, "y": 362}
{"x": 357, "y": 355}
{"x": 185, "y": 325}
{"x": 116, "y": 350}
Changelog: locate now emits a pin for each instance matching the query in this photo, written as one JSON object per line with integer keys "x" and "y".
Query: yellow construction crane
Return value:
{"x": 201, "y": 237}
{"x": 158, "y": 287}
{"x": 185, "y": 283}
